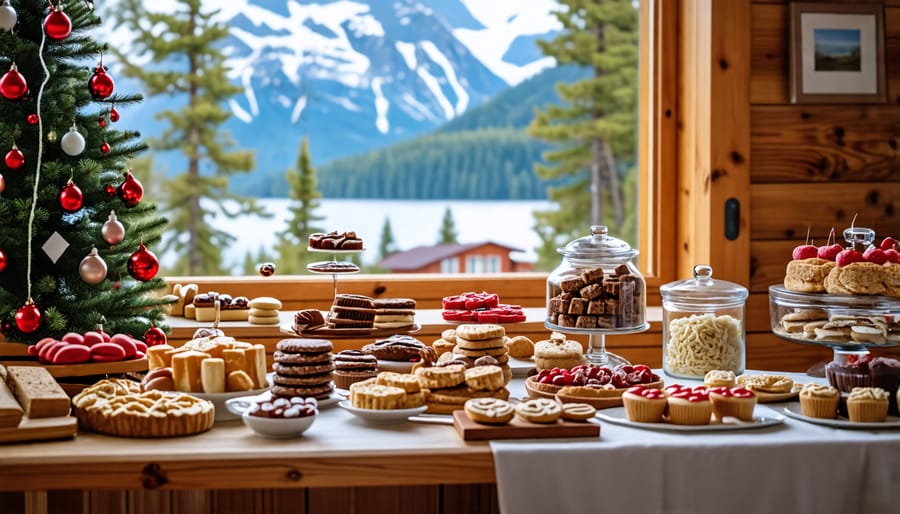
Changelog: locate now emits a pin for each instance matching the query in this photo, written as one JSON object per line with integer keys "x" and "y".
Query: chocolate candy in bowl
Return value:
{"x": 276, "y": 417}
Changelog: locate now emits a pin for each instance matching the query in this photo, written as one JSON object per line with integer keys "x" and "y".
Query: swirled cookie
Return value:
{"x": 117, "y": 407}
{"x": 490, "y": 411}
{"x": 539, "y": 410}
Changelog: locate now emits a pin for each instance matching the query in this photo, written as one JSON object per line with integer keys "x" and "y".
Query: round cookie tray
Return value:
{"x": 882, "y": 309}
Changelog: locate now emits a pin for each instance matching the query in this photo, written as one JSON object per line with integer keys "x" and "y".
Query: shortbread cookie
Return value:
{"x": 480, "y": 332}
{"x": 865, "y": 278}
{"x": 439, "y": 377}
{"x": 459, "y": 394}
{"x": 265, "y": 303}
{"x": 578, "y": 411}
{"x": 449, "y": 335}
{"x": 263, "y": 320}
{"x": 539, "y": 410}
{"x": 552, "y": 353}
{"x": 719, "y": 378}
{"x": 442, "y": 346}
{"x": 376, "y": 396}
{"x": 520, "y": 347}
{"x": 491, "y": 411}
{"x": 406, "y": 381}
{"x": 486, "y": 378}
{"x": 766, "y": 383}
{"x": 478, "y": 353}
{"x": 481, "y": 344}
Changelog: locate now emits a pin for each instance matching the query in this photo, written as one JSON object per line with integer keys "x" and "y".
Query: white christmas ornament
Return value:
{"x": 8, "y": 17}
{"x": 72, "y": 142}
{"x": 92, "y": 268}
{"x": 113, "y": 231}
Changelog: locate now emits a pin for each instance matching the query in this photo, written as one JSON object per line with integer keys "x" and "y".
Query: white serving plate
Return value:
{"x": 382, "y": 415}
{"x": 617, "y": 416}
{"x": 890, "y": 423}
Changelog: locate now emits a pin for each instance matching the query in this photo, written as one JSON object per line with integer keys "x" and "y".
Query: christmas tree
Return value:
{"x": 65, "y": 189}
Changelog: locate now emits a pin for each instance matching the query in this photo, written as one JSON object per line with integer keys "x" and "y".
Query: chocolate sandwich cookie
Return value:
{"x": 353, "y": 300}
{"x": 302, "y": 369}
{"x": 319, "y": 392}
{"x": 351, "y": 313}
{"x": 304, "y": 345}
{"x": 307, "y": 381}
{"x": 302, "y": 358}
{"x": 354, "y": 360}
{"x": 394, "y": 303}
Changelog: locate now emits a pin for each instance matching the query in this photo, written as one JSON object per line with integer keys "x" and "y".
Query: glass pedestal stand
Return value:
{"x": 596, "y": 354}
{"x": 350, "y": 268}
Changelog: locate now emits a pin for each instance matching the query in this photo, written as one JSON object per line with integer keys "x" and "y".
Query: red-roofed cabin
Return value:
{"x": 484, "y": 257}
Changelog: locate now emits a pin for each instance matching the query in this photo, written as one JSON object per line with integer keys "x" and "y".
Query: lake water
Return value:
{"x": 413, "y": 222}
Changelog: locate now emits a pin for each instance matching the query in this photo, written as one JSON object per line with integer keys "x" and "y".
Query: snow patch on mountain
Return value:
{"x": 504, "y": 21}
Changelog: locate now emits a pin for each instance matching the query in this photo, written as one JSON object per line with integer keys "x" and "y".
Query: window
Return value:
{"x": 475, "y": 264}
{"x": 450, "y": 265}
{"x": 657, "y": 191}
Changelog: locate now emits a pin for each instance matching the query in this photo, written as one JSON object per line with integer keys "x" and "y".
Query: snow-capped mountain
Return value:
{"x": 354, "y": 75}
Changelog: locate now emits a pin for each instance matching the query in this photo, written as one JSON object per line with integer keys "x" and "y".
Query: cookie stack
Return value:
{"x": 264, "y": 311}
{"x": 352, "y": 366}
{"x": 393, "y": 313}
{"x": 303, "y": 367}
{"x": 447, "y": 388}
{"x": 351, "y": 311}
{"x": 476, "y": 341}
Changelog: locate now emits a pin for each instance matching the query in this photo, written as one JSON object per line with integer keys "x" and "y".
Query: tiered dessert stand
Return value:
{"x": 351, "y": 267}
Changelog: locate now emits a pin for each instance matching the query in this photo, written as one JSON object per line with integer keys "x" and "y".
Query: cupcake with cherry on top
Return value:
{"x": 689, "y": 405}
{"x": 644, "y": 404}
{"x": 737, "y": 402}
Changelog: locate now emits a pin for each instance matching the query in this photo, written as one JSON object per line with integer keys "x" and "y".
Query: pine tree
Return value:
{"x": 293, "y": 241}
{"x": 195, "y": 73}
{"x": 387, "y": 245}
{"x": 596, "y": 131}
{"x": 39, "y": 124}
{"x": 447, "y": 233}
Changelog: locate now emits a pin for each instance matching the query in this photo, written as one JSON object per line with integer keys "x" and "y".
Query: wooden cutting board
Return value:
{"x": 40, "y": 429}
{"x": 83, "y": 370}
{"x": 520, "y": 429}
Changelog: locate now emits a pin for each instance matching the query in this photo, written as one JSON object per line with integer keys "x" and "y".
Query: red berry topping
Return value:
{"x": 848, "y": 256}
{"x": 892, "y": 256}
{"x": 875, "y": 256}
{"x": 804, "y": 252}
{"x": 889, "y": 243}
{"x": 829, "y": 253}
{"x": 742, "y": 392}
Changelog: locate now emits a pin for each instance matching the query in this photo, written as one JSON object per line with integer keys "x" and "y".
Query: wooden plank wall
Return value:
{"x": 812, "y": 167}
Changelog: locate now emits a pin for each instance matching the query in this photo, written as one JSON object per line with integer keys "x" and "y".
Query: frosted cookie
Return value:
{"x": 719, "y": 378}
{"x": 578, "y": 411}
{"x": 539, "y": 410}
{"x": 490, "y": 411}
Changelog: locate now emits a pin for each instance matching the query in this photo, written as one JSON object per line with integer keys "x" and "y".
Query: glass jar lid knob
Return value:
{"x": 703, "y": 273}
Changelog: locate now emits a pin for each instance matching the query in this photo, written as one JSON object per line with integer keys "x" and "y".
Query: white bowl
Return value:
{"x": 382, "y": 415}
{"x": 269, "y": 427}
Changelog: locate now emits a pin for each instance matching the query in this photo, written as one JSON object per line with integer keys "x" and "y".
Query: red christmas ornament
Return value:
{"x": 70, "y": 198}
{"x": 131, "y": 191}
{"x": 3, "y": 261}
{"x": 113, "y": 114}
{"x": 57, "y": 24}
{"x": 104, "y": 147}
{"x": 143, "y": 264}
{"x": 101, "y": 85}
{"x": 110, "y": 189}
{"x": 29, "y": 317}
{"x": 32, "y": 119}
{"x": 13, "y": 85}
{"x": 154, "y": 336}
{"x": 14, "y": 158}
{"x": 101, "y": 121}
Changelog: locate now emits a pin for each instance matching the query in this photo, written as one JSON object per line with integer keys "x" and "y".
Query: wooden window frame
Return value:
{"x": 657, "y": 238}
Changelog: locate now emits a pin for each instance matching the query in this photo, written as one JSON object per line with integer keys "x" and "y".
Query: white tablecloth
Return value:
{"x": 796, "y": 467}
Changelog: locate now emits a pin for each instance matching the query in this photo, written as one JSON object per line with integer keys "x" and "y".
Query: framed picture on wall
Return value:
{"x": 837, "y": 53}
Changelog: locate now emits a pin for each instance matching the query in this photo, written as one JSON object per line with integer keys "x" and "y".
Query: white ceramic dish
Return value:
{"x": 617, "y": 416}
{"x": 219, "y": 399}
{"x": 382, "y": 416}
{"x": 890, "y": 423}
{"x": 279, "y": 428}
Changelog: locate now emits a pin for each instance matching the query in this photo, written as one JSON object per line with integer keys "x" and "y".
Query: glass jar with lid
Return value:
{"x": 703, "y": 325}
{"x": 596, "y": 288}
